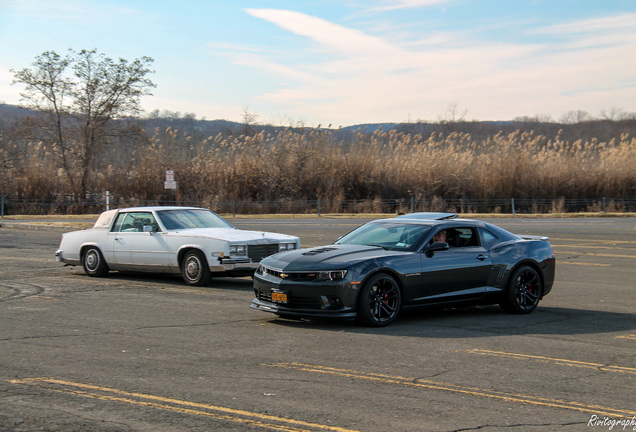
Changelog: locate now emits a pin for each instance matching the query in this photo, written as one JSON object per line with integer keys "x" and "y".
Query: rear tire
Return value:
{"x": 94, "y": 263}
{"x": 194, "y": 268}
{"x": 524, "y": 291}
{"x": 379, "y": 301}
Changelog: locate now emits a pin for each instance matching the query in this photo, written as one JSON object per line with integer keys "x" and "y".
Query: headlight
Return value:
{"x": 239, "y": 250}
{"x": 334, "y": 275}
{"x": 286, "y": 246}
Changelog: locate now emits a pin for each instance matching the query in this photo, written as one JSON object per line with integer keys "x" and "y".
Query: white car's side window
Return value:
{"x": 134, "y": 222}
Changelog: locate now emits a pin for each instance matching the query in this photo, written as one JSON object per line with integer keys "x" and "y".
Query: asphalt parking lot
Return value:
{"x": 136, "y": 352}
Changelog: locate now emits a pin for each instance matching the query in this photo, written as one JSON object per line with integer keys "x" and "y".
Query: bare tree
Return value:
{"x": 575, "y": 116}
{"x": 249, "y": 121}
{"x": 453, "y": 114}
{"x": 79, "y": 97}
{"x": 617, "y": 114}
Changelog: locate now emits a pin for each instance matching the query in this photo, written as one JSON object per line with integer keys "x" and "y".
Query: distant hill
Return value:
{"x": 603, "y": 130}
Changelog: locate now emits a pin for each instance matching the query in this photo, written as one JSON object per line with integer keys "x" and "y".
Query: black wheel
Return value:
{"x": 379, "y": 301}
{"x": 524, "y": 291}
{"x": 94, "y": 263}
{"x": 194, "y": 268}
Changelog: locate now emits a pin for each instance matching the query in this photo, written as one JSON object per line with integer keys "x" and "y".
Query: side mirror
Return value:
{"x": 148, "y": 229}
{"x": 438, "y": 246}
{"x": 435, "y": 247}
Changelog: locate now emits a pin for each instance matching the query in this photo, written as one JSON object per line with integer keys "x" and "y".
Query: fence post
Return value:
{"x": 412, "y": 204}
{"x": 2, "y": 207}
{"x": 107, "y": 200}
{"x": 319, "y": 207}
{"x": 604, "y": 205}
{"x": 233, "y": 208}
{"x": 513, "y": 207}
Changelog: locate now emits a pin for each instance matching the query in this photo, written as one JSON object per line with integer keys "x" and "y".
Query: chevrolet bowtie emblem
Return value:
{"x": 283, "y": 275}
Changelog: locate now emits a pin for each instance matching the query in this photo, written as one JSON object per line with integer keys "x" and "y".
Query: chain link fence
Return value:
{"x": 96, "y": 203}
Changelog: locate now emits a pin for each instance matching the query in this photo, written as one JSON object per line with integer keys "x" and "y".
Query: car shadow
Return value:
{"x": 483, "y": 321}
{"x": 232, "y": 283}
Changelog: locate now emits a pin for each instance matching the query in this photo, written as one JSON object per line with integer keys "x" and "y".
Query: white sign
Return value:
{"x": 170, "y": 184}
{"x": 169, "y": 177}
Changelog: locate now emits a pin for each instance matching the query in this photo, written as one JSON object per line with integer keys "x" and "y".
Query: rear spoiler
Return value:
{"x": 534, "y": 237}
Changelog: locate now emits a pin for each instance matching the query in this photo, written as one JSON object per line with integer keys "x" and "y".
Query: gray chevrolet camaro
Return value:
{"x": 410, "y": 261}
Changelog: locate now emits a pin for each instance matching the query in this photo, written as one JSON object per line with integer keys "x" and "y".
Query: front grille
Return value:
{"x": 295, "y": 276}
{"x": 259, "y": 251}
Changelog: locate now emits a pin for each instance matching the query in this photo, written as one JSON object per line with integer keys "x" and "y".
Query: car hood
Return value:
{"x": 337, "y": 256}
{"x": 233, "y": 235}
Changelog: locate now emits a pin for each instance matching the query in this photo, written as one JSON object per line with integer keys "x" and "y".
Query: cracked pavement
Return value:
{"x": 134, "y": 352}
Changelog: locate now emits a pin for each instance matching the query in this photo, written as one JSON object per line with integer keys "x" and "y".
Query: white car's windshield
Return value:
{"x": 191, "y": 218}
{"x": 393, "y": 236}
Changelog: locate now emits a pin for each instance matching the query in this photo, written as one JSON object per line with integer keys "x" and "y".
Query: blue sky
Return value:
{"x": 345, "y": 62}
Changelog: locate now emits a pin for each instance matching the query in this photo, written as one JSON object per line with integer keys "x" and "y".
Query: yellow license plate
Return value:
{"x": 279, "y": 297}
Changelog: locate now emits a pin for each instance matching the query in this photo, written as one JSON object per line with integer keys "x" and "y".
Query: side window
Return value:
{"x": 135, "y": 222}
{"x": 487, "y": 238}
{"x": 118, "y": 222}
{"x": 462, "y": 237}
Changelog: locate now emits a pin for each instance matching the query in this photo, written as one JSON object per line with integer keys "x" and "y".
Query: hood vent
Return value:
{"x": 319, "y": 251}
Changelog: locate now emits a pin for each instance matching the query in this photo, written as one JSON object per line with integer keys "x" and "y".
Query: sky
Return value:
{"x": 335, "y": 63}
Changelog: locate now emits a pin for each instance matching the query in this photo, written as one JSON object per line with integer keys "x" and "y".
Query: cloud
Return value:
{"x": 329, "y": 35}
{"x": 372, "y": 79}
{"x": 603, "y": 24}
{"x": 387, "y": 5}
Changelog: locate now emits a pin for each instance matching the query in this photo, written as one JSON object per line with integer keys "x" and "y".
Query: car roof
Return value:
{"x": 427, "y": 216}
{"x": 431, "y": 222}
{"x": 451, "y": 223}
{"x": 157, "y": 208}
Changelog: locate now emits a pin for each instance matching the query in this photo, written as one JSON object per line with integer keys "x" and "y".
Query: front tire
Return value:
{"x": 379, "y": 301}
{"x": 194, "y": 268}
{"x": 524, "y": 291}
{"x": 94, "y": 263}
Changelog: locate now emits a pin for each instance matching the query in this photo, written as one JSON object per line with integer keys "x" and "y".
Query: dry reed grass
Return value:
{"x": 313, "y": 164}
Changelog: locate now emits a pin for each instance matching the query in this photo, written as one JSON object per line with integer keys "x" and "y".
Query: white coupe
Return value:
{"x": 192, "y": 241}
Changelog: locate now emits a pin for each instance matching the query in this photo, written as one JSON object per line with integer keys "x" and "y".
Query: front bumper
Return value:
{"x": 287, "y": 311}
{"x": 235, "y": 265}
{"x": 335, "y": 299}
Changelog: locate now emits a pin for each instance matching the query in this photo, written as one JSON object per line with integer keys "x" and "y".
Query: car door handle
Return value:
{"x": 482, "y": 257}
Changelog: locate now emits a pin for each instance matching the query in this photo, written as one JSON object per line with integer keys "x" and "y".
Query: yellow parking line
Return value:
{"x": 633, "y": 337}
{"x": 584, "y": 264}
{"x": 471, "y": 391}
{"x": 217, "y": 412}
{"x": 607, "y": 255}
{"x": 566, "y": 362}
{"x": 589, "y": 246}
{"x": 593, "y": 241}
{"x": 610, "y": 255}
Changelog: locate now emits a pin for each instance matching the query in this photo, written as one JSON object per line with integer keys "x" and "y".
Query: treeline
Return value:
{"x": 449, "y": 161}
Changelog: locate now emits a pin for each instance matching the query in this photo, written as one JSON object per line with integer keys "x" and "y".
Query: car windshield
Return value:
{"x": 191, "y": 218}
{"x": 390, "y": 236}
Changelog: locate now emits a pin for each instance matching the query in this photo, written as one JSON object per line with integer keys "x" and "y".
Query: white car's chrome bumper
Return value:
{"x": 234, "y": 264}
